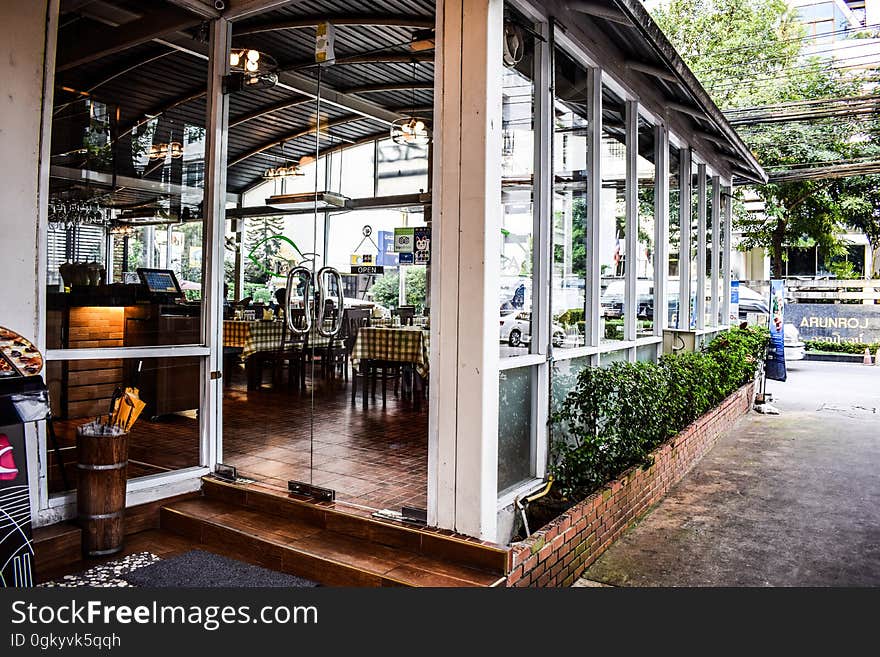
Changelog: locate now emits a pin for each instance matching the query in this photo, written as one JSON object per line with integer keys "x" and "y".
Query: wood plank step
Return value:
{"x": 309, "y": 550}
{"x": 431, "y": 543}
{"x": 56, "y": 546}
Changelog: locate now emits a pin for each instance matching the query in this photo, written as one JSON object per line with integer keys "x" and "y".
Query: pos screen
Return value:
{"x": 160, "y": 281}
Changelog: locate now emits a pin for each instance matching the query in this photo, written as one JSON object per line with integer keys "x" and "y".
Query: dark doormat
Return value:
{"x": 198, "y": 569}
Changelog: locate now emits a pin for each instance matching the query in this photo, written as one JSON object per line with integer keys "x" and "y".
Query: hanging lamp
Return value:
{"x": 411, "y": 130}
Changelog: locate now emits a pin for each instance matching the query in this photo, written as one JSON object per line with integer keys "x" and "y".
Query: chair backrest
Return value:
{"x": 289, "y": 339}
{"x": 353, "y": 320}
{"x": 407, "y": 314}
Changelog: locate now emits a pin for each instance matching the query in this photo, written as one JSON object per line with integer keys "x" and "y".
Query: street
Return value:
{"x": 785, "y": 500}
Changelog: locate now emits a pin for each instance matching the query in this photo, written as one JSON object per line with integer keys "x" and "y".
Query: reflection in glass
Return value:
{"x": 517, "y": 216}
{"x": 710, "y": 255}
{"x": 570, "y": 168}
{"x": 514, "y": 427}
{"x": 164, "y": 437}
{"x": 645, "y": 258}
{"x": 612, "y": 216}
{"x": 695, "y": 243}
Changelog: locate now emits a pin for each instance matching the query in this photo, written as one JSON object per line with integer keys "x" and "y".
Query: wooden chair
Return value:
{"x": 407, "y": 314}
{"x": 291, "y": 351}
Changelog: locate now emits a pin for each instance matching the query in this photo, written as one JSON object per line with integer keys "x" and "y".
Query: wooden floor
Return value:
{"x": 375, "y": 457}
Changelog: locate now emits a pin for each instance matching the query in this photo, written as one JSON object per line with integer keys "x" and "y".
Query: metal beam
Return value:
{"x": 238, "y": 9}
{"x": 203, "y": 8}
{"x": 139, "y": 184}
{"x": 600, "y": 11}
{"x": 376, "y": 88}
{"x": 94, "y": 42}
{"x": 383, "y": 20}
{"x": 373, "y": 58}
{"x": 653, "y": 71}
{"x": 241, "y": 157}
{"x": 186, "y": 97}
{"x": 268, "y": 109}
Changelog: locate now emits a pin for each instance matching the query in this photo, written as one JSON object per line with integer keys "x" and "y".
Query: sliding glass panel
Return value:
{"x": 164, "y": 433}
{"x": 517, "y": 174}
{"x": 695, "y": 241}
{"x": 723, "y": 258}
{"x": 646, "y": 255}
{"x": 710, "y": 255}
{"x": 570, "y": 172}
{"x": 125, "y": 194}
{"x": 612, "y": 216}
{"x": 672, "y": 292}
{"x": 515, "y": 427}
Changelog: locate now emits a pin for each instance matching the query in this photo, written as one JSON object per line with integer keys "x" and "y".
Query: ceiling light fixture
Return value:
{"x": 411, "y": 130}
{"x": 250, "y": 68}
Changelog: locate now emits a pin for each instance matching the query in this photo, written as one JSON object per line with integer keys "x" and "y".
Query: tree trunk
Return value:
{"x": 777, "y": 265}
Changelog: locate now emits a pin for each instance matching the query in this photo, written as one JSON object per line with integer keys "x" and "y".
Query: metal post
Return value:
{"x": 216, "y": 124}
{"x": 631, "y": 239}
{"x": 684, "y": 250}
{"x": 716, "y": 246}
{"x": 728, "y": 246}
{"x": 593, "y": 288}
{"x": 661, "y": 229}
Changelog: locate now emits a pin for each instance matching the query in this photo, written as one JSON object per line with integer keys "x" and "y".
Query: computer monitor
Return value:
{"x": 161, "y": 282}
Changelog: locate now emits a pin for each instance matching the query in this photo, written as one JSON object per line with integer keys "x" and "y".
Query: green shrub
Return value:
{"x": 613, "y": 417}
{"x": 842, "y": 347}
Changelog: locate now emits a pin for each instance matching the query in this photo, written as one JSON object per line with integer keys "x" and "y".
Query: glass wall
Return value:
{"x": 517, "y": 195}
{"x": 646, "y": 256}
{"x": 612, "y": 217}
{"x": 125, "y": 194}
{"x": 673, "y": 272}
{"x": 570, "y": 174}
{"x": 710, "y": 255}
{"x": 164, "y": 433}
{"x": 695, "y": 273}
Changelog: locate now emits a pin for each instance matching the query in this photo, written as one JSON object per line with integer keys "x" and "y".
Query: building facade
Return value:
{"x": 575, "y": 192}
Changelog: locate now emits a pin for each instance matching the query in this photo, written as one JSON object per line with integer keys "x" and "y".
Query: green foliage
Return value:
{"x": 258, "y": 230}
{"x": 749, "y": 53}
{"x": 842, "y": 269}
{"x": 842, "y": 347}
{"x": 385, "y": 290}
{"x": 613, "y": 417}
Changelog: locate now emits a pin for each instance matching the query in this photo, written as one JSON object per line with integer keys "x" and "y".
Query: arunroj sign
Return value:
{"x": 835, "y": 322}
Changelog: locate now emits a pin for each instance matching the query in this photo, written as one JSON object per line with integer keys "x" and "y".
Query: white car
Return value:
{"x": 794, "y": 347}
{"x": 516, "y": 330}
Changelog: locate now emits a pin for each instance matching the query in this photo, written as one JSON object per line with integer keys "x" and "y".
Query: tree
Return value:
{"x": 748, "y": 53}
{"x": 259, "y": 248}
{"x": 385, "y": 291}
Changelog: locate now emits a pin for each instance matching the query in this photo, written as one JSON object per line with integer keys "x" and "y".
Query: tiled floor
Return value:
{"x": 376, "y": 457}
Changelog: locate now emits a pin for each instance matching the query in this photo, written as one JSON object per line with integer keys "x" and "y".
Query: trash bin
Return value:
{"x": 102, "y": 457}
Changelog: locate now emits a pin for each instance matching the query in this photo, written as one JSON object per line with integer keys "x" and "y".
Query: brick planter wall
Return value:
{"x": 559, "y": 552}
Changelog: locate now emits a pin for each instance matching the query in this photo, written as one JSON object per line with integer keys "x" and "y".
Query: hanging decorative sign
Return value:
{"x": 734, "y": 302}
{"x": 775, "y": 367}
{"x": 422, "y": 245}
{"x": 364, "y": 263}
{"x": 386, "y": 255}
{"x": 325, "y": 39}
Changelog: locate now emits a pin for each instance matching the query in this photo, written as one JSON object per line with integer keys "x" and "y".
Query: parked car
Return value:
{"x": 516, "y": 330}
{"x": 794, "y": 347}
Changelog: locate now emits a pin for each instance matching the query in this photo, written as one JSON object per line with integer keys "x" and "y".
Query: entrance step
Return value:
{"x": 56, "y": 547}
{"x": 327, "y": 545}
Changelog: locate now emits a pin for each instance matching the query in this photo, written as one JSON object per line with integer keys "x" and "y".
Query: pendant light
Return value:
{"x": 411, "y": 130}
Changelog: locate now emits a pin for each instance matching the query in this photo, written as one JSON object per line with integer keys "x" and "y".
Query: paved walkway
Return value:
{"x": 787, "y": 500}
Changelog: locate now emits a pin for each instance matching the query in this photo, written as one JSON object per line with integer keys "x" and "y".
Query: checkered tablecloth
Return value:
{"x": 400, "y": 345}
{"x": 260, "y": 336}
{"x": 421, "y": 322}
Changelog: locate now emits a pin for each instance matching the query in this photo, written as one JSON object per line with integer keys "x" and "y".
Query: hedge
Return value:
{"x": 842, "y": 347}
{"x": 615, "y": 416}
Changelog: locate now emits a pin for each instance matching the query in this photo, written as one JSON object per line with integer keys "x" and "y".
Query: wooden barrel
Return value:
{"x": 100, "y": 492}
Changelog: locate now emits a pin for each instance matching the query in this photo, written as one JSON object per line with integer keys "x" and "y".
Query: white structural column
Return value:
{"x": 728, "y": 241}
{"x": 661, "y": 228}
{"x": 684, "y": 249}
{"x": 701, "y": 246}
{"x": 26, "y": 79}
{"x": 216, "y": 129}
{"x": 466, "y": 233}
{"x": 631, "y": 198}
{"x": 716, "y": 248}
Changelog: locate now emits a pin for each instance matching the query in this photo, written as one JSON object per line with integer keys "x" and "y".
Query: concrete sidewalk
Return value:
{"x": 787, "y": 500}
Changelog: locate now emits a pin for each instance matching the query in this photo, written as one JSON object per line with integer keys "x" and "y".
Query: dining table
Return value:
{"x": 253, "y": 336}
{"x": 395, "y": 344}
